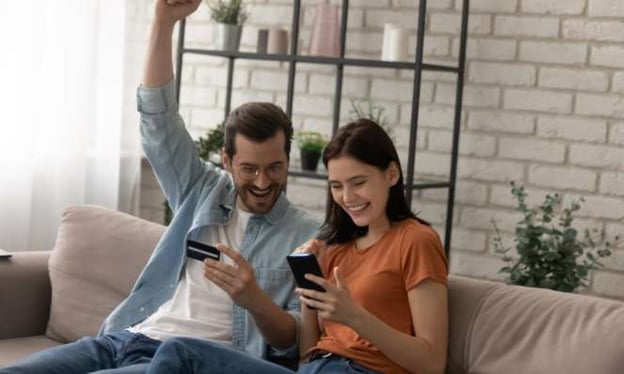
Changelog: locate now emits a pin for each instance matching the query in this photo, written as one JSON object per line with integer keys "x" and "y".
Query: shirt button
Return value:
{"x": 142, "y": 309}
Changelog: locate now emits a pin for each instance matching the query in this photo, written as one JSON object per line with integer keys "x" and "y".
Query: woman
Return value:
{"x": 385, "y": 305}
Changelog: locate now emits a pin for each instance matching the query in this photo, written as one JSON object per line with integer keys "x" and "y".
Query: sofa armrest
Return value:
{"x": 24, "y": 294}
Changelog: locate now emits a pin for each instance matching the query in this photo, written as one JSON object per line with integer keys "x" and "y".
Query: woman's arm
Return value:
{"x": 310, "y": 332}
{"x": 424, "y": 353}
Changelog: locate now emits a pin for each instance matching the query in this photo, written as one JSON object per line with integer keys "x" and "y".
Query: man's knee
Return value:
{"x": 187, "y": 346}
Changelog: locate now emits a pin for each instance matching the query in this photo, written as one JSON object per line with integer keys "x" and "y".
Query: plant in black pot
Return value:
{"x": 311, "y": 144}
{"x": 550, "y": 251}
{"x": 209, "y": 146}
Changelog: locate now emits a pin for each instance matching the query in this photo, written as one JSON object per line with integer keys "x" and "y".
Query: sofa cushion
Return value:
{"x": 14, "y": 349}
{"x": 510, "y": 329}
{"x": 97, "y": 257}
{"x": 24, "y": 294}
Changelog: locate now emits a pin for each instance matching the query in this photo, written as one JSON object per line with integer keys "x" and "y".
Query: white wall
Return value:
{"x": 543, "y": 105}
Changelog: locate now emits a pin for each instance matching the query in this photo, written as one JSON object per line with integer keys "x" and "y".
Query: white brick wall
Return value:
{"x": 573, "y": 79}
{"x": 582, "y": 29}
{"x": 606, "y": 8}
{"x": 526, "y": 26}
{"x": 569, "y": 7}
{"x": 538, "y": 100}
{"x": 543, "y": 106}
{"x": 500, "y": 6}
{"x": 571, "y": 128}
{"x": 564, "y": 53}
{"x": 502, "y": 74}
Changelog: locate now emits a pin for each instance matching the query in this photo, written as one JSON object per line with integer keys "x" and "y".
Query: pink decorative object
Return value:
{"x": 325, "y": 37}
{"x": 277, "y": 42}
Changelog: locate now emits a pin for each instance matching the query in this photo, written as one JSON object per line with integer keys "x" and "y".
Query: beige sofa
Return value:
{"x": 48, "y": 298}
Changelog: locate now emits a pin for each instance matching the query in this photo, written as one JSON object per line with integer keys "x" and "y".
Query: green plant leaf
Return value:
{"x": 311, "y": 141}
{"x": 227, "y": 11}
{"x": 550, "y": 252}
{"x": 211, "y": 143}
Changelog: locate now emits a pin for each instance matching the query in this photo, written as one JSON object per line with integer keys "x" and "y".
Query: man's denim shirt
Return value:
{"x": 201, "y": 194}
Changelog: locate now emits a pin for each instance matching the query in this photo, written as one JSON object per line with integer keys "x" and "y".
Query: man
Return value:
{"x": 244, "y": 301}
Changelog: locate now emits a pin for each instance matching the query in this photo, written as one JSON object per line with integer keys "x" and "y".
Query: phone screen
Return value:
{"x": 302, "y": 264}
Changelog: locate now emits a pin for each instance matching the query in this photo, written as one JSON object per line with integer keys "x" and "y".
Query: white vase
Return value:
{"x": 226, "y": 37}
{"x": 394, "y": 43}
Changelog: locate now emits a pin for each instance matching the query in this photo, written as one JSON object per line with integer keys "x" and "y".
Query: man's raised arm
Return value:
{"x": 158, "y": 68}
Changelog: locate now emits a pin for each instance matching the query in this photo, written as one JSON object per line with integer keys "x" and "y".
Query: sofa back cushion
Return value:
{"x": 496, "y": 328}
{"x": 98, "y": 255}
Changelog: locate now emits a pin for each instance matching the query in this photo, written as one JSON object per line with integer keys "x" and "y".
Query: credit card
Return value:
{"x": 200, "y": 251}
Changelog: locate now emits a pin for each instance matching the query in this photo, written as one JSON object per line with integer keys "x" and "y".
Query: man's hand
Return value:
{"x": 174, "y": 10}
{"x": 238, "y": 281}
{"x": 314, "y": 246}
{"x": 158, "y": 63}
{"x": 277, "y": 326}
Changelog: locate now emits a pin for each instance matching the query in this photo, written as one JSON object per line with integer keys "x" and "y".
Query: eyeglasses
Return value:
{"x": 250, "y": 172}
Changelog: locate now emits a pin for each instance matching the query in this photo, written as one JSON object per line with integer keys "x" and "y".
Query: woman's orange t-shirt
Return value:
{"x": 378, "y": 278}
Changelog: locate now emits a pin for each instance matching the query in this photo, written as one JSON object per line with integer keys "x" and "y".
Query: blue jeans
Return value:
{"x": 188, "y": 355}
{"x": 118, "y": 353}
{"x": 330, "y": 364}
{"x": 194, "y": 356}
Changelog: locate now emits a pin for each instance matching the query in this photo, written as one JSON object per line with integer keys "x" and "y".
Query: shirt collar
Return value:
{"x": 273, "y": 216}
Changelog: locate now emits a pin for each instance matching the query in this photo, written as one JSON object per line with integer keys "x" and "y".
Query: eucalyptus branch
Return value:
{"x": 550, "y": 252}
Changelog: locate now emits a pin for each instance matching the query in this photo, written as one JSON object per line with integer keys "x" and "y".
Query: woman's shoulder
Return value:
{"x": 420, "y": 243}
{"x": 414, "y": 234}
{"x": 414, "y": 228}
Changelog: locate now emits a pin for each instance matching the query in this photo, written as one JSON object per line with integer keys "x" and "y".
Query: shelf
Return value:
{"x": 322, "y": 60}
{"x": 306, "y": 174}
{"x": 417, "y": 66}
{"x": 427, "y": 185}
{"x": 416, "y": 185}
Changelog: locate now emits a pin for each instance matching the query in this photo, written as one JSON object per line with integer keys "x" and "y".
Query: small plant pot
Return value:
{"x": 227, "y": 37}
{"x": 309, "y": 160}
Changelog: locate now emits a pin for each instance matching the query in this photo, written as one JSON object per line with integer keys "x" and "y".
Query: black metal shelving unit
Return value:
{"x": 418, "y": 66}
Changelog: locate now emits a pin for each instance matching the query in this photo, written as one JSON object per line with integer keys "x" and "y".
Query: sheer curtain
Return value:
{"x": 62, "y": 139}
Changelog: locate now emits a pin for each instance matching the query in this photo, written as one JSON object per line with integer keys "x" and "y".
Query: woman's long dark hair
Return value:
{"x": 367, "y": 142}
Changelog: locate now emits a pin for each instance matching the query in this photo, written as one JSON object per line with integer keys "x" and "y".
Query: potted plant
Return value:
{"x": 311, "y": 144}
{"x": 229, "y": 16}
{"x": 372, "y": 112}
{"x": 550, "y": 252}
{"x": 209, "y": 146}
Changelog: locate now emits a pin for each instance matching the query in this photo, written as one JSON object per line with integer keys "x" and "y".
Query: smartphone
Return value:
{"x": 200, "y": 251}
{"x": 302, "y": 264}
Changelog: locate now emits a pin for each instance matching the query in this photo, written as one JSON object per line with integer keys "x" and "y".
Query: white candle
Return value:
{"x": 394, "y": 43}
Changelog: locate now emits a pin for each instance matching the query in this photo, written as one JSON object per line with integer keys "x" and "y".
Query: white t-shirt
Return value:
{"x": 199, "y": 308}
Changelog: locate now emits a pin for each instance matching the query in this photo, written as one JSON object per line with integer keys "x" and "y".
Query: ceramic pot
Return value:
{"x": 227, "y": 37}
{"x": 263, "y": 40}
{"x": 277, "y": 42}
{"x": 309, "y": 160}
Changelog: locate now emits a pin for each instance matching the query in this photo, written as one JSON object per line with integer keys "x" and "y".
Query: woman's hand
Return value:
{"x": 335, "y": 304}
